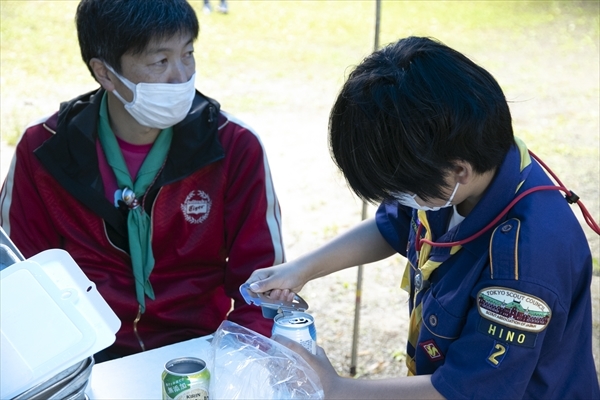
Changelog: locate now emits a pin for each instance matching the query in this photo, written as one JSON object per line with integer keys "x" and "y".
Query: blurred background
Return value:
{"x": 278, "y": 65}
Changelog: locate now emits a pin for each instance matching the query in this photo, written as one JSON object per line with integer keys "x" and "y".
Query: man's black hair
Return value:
{"x": 411, "y": 109}
{"x": 107, "y": 29}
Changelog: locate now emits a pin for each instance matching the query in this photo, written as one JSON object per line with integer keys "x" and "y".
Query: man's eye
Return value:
{"x": 161, "y": 62}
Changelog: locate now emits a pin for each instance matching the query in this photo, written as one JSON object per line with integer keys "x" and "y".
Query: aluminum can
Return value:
{"x": 298, "y": 326}
{"x": 185, "y": 378}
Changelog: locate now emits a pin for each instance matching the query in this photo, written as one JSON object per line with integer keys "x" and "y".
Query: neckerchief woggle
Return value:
{"x": 139, "y": 225}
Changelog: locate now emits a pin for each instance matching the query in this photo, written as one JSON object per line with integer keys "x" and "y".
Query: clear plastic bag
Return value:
{"x": 247, "y": 365}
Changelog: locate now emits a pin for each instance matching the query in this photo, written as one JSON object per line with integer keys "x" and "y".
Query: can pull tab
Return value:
{"x": 270, "y": 307}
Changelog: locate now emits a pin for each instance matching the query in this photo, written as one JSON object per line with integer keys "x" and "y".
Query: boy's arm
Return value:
{"x": 362, "y": 244}
{"x": 337, "y": 387}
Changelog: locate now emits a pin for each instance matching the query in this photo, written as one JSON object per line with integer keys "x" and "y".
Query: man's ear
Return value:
{"x": 463, "y": 171}
{"x": 102, "y": 74}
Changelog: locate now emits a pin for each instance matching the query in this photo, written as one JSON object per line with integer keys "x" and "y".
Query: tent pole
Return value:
{"x": 363, "y": 216}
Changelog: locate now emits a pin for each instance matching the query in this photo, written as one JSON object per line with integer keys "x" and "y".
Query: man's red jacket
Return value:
{"x": 215, "y": 219}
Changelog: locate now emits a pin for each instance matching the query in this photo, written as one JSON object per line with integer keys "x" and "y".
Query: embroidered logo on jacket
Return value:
{"x": 514, "y": 309}
{"x": 196, "y": 207}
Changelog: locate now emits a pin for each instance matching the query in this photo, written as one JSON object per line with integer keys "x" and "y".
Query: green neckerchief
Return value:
{"x": 139, "y": 227}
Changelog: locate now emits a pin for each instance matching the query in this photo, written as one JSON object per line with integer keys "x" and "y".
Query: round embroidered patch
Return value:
{"x": 514, "y": 309}
{"x": 196, "y": 207}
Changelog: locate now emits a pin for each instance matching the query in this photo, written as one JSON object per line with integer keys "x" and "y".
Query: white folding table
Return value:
{"x": 139, "y": 376}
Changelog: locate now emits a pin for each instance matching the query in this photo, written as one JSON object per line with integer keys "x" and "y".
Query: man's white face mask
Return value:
{"x": 409, "y": 201}
{"x": 158, "y": 105}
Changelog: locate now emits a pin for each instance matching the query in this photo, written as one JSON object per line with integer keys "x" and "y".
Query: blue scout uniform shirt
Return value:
{"x": 509, "y": 314}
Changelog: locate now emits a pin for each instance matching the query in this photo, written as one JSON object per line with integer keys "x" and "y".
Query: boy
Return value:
{"x": 498, "y": 268}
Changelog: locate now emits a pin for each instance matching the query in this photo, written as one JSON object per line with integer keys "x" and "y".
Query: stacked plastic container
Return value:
{"x": 52, "y": 322}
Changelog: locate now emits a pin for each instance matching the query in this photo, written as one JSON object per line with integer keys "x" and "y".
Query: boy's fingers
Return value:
{"x": 261, "y": 284}
{"x": 287, "y": 342}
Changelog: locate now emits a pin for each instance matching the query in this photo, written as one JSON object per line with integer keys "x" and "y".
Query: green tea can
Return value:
{"x": 185, "y": 378}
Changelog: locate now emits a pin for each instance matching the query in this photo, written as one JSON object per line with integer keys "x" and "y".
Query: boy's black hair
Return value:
{"x": 408, "y": 111}
{"x": 107, "y": 29}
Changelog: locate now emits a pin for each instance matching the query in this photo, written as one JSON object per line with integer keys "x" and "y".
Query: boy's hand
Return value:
{"x": 319, "y": 362}
{"x": 281, "y": 282}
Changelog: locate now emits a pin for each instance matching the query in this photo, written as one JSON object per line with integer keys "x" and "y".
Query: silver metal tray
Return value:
{"x": 69, "y": 384}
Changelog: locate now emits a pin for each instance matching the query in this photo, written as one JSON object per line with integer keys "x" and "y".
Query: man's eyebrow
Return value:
{"x": 153, "y": 50}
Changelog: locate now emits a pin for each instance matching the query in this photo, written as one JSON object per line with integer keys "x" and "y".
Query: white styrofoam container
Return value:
{"x": 51, "y": 317}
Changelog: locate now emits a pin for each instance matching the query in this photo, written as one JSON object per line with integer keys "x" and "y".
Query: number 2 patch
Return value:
{"x": 497, "y": 354}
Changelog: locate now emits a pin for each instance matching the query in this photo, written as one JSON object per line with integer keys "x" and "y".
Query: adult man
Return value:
{"x": 498, "y": 269}
{"x": 164, "y": 201}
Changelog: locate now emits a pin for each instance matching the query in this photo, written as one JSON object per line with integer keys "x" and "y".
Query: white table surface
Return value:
{"x": 139, "y": 376}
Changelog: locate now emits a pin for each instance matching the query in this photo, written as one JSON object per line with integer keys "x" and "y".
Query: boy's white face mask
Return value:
{"x": 409, "y": 201}
{"x": 158, "y": 105}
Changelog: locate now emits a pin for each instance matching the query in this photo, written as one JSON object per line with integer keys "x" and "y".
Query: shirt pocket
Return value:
{"x": 439, "y": 330}
{"x": 438, "y": 321}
